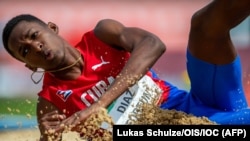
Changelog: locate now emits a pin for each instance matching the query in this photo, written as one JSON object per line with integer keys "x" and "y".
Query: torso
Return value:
{"x": 100, "y": 69}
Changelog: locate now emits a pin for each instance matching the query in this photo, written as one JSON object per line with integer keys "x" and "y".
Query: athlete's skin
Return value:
{"x": 209, "y": 40}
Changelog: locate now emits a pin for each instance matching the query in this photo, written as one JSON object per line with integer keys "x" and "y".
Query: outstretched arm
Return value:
{"x": 145, "y": 47}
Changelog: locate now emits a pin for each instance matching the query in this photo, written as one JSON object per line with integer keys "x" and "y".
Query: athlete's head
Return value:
{"x": 34, "y": 42}
{"x": 12, "y": 24}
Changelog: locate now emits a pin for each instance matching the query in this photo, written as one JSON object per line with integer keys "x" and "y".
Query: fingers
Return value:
{"x": 54, "y": 122}
{"x": 70, "y": 123}
{"x": 50, "y": 122}
{"x": 53, "y": 116}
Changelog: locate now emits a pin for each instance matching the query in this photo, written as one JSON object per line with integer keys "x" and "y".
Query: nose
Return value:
{"x": 37, "y": 46}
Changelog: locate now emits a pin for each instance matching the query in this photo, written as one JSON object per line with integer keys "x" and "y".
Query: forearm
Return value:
{"x": 142, "y": 58}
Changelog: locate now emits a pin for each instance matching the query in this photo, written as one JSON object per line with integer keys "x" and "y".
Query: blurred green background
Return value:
{"x": 18, "y": 106}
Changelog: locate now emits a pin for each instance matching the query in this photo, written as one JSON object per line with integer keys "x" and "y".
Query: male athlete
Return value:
{"x": 81, "y": 79}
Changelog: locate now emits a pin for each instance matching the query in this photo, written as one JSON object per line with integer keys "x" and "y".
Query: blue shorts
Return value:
{"x": 216, "y": 92}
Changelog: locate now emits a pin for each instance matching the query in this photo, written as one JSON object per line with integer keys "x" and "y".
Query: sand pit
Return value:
{"x": 20, "y": 135}
{"x": 32, "y": 135}
{"x": 147, "y": 112}
{"x": 160, "y": 117}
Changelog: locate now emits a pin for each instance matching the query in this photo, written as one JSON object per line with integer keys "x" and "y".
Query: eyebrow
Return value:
{"x": 27, "y": 33}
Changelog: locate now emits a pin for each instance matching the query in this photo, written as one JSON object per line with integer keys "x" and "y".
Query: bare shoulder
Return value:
{"x": 109, "y": 31}
{"x": 108, "y": 26}
{"x": 108, "y": 23}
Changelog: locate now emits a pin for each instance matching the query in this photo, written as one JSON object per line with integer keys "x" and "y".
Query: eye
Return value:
{"x": 25, "y": 51}
{"x": 34, "y": 35}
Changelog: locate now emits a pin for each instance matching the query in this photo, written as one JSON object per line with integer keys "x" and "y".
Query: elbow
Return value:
{"x": 152, "y": 45}
{"x": 162, "y": 47}
{"x": 159, "y": 46}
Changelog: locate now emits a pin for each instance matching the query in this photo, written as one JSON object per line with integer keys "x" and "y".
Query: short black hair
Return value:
{"x": 12, "y": 23}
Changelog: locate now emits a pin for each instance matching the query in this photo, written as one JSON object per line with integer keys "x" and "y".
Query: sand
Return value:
{"x": 32, "y": 135}
{"x": 164, "y": 117}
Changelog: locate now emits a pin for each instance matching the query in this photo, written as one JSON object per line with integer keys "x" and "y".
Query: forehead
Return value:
{"x": 19, "y": 33}
{"x": 20, "y": 30}
{"x": 22, "y": 27}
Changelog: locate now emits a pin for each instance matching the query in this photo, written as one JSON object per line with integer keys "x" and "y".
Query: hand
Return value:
{"x": 50, "y": 121}
{"x": 74, "y": 122}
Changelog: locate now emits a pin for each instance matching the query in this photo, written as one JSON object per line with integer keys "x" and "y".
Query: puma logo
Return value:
{"x": 99, "y": 65}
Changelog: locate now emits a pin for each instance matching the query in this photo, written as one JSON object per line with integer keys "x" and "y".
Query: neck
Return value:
{"x": 56, "y": 70}
{"x": 67, "y": 67}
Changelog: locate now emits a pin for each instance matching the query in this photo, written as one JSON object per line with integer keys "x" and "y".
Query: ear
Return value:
{"x": 53, "y": 27}
{"x": 30, "y": 67}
